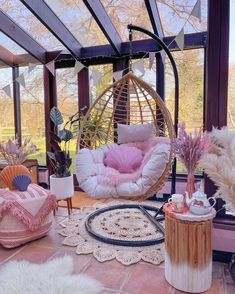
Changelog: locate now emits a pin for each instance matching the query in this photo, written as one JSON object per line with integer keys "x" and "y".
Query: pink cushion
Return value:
{"x": 124, "y": 159}
{"x": 25, "y": 216}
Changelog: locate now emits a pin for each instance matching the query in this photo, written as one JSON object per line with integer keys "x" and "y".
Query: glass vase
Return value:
{"x": 190, "y": 187}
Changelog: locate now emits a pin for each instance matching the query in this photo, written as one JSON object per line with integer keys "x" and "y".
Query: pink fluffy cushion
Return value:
{"x": 124, "y": 159}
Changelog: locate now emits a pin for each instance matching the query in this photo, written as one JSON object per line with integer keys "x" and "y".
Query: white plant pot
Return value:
{"x": 62, "y": 188}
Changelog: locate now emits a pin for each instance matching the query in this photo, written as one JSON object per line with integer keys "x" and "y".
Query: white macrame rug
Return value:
{"x": 127, "y": 224}
{"x": 54, "y": 277}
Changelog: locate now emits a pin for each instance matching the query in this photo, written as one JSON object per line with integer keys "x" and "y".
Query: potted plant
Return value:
{"x": 61, "y": 182}
{"x": 14, "y": 155}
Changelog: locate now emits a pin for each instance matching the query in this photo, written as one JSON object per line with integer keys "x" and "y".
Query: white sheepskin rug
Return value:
{"x": 53, "y": 277}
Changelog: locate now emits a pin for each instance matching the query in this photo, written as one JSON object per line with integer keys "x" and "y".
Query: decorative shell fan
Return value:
{"x": 128, "y": 101}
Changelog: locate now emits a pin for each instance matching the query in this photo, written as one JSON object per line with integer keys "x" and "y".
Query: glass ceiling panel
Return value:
{"x": 175, "y": 14}
{"x": 123, "y": 12}
{"x": 75, "y": 15}
{"x": 26, "y": 20}
{"x": 10, "y": 45}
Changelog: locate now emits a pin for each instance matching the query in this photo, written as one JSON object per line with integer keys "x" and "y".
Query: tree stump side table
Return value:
{"x": 188, "y": 253}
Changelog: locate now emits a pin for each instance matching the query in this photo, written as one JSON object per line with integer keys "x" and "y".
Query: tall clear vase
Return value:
{"x": 190, "y": 187}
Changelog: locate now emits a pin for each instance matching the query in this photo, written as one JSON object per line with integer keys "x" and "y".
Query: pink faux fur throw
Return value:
{"x": 111, "y": 177}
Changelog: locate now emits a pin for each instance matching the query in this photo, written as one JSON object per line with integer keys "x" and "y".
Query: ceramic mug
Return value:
{"x": 177, "y": 202}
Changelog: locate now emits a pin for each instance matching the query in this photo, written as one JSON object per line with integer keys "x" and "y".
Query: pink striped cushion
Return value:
{"x": 25, "y": 216}
{"x": 123, "y": 158}
{"x": 33, "y": 191}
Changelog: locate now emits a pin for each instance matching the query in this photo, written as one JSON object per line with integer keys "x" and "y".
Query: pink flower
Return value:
{"x": 15, "y": 154}
{"x": 11, "y": 147}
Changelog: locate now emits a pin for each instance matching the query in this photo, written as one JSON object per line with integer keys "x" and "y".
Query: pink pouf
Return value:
{"x": 25, "y": 216}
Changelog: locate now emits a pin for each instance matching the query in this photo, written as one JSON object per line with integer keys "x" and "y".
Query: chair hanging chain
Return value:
{"x": 130, "y": 50}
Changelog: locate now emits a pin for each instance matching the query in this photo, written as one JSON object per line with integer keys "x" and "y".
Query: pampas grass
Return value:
{"x": 219, "y": 164}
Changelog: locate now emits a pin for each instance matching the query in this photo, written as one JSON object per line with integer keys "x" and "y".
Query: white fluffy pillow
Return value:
{"x": 135, "y": 133}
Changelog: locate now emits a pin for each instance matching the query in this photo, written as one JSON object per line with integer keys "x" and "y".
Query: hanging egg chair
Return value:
{"x": 129, "y": 101}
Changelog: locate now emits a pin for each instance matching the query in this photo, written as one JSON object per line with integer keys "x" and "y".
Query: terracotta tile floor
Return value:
{"x": 141, "y": 278}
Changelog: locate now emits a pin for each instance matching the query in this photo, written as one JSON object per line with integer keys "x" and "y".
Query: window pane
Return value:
{"x": 123, "y": 12}
{"x": 11, "y": 45}
{"x": 190, "y": 66}
{"x": 231, "y": 83}
{"x": 79, "y": 21}
{"x": 101, "y": 77}
{"x": 25, "y": 19}
{"x": 149, "y": 75}
{"x": 141, "y": 110}
{"x": 105, "y": 80}
{"x": 32, "y": 111}
{"x": 67, "y": 101}
{"x": 175, "y": 14}
{"x": 7, "y": 126}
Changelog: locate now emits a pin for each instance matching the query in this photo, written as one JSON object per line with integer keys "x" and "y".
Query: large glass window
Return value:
{"x": 141, "y": 69}
{"x": 231, "y": 83}
{"x": 101, "y": 76}
{"x": 79, "y": 21}
{"x": 24, "y": 18}
{"x": 10, "y": 45}
{"x": 190, "y": 64}
{"x": 67, "y": 101}
{"x": 231, "y": 77}
{"x": 32, "y": 110}
{"x": 123, "y": 12}
{"x": 7, "y": 127}
{"x": 175, "y": 14}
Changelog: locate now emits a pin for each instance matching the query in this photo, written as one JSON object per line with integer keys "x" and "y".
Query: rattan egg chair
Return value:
{"x": 129, "y": 101}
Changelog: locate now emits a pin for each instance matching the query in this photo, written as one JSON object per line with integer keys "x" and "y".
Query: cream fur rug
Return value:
{"x": 52, "y": 277}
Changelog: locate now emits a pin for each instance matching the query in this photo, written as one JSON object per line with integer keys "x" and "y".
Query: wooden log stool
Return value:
{"x": 188, "y": 253}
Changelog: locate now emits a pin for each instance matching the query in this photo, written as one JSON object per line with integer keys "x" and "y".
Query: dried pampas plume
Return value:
{"x": 219, "y": 164}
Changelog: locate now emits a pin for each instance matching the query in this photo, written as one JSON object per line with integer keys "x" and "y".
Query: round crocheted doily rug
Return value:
{"x": 123, "y": 224}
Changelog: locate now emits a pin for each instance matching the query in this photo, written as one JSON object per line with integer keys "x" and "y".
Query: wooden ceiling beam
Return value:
{"x": 100, "y": 54}
{"x": 6, "y": 56}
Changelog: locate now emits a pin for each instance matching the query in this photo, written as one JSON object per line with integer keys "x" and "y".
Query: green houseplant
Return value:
{"x": 59, "y": 156}
{"x": 61, "y": 182}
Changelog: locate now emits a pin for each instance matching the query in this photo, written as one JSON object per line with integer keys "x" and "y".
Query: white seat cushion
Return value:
{"x": 89, "y": 167}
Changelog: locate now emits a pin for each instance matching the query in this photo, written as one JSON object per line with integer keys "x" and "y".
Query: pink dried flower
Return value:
{"x": 189, "y": 148}
{"x": 15, "y": 154}
{"x": 11, "y": 148}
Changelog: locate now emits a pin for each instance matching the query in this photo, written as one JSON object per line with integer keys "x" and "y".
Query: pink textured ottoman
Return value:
{"x": 25, "y": 216}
